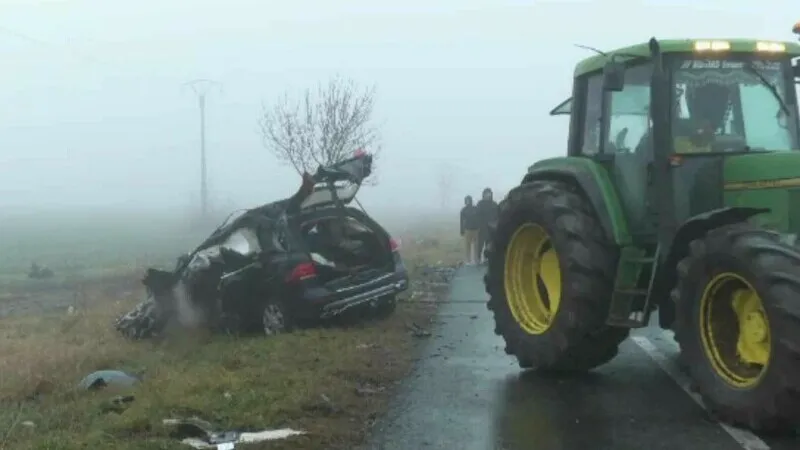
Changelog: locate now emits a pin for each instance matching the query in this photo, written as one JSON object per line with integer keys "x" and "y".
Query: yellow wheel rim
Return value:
{"x": 735, "y": 330}
{"x": 532, "y": 279}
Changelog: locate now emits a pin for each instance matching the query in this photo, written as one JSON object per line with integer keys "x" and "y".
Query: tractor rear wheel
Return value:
{"x": 550, "y": 280}
{"x": 738, "y": 326}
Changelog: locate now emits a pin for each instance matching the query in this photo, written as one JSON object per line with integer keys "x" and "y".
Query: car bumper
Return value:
{"x": 321, "y": 302}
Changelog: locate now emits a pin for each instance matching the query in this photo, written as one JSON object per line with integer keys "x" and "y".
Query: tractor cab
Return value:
{"x": 669, "y": 119}
{"x": 718, "y": 94}
{"x": 717, "y": 101}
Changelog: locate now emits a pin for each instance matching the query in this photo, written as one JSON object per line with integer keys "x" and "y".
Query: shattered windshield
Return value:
{"x": 733, "y": 105}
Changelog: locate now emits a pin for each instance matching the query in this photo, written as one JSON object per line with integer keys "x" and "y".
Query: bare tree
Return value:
{"x": 322, "y": 127}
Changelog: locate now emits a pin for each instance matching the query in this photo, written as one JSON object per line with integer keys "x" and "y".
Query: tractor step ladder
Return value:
{"x": 630, "y": 303}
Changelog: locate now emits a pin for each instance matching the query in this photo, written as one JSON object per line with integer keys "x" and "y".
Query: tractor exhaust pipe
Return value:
{"x": 660, "y": 112}
{"x": 796, "y": 66}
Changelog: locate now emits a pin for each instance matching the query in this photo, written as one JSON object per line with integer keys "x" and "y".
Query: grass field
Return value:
{"x": 89, "y": 247}
{"x": 330, "y": 383}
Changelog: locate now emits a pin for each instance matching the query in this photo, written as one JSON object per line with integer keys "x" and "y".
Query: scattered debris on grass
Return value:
{"x": 199, "y": 433}
{"x": 103, "y": 378}
{"x": 332, "y": 390}
{"x": 117, "y": 404}
{"x": 417, "y": 331}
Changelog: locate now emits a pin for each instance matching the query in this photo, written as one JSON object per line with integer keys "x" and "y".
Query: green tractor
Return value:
{"x": 680, "y": 193}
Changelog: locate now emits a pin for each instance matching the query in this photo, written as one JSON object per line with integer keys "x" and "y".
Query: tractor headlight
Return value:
{"x": 714, "y": 46}
{"x": 771, "y": 47}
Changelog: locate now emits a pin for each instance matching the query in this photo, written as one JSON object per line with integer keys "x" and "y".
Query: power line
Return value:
{"x": 42, "y": 43}
{"x": 201, "y": 88}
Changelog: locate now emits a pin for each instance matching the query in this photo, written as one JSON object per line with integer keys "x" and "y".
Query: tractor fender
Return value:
{"x": 593, "y": 183}
{"x": 693, "y": 228}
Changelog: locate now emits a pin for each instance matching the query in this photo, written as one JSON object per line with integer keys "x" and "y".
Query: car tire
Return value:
{"x": 737, "y": 326}
{"x": 576, "y": 267}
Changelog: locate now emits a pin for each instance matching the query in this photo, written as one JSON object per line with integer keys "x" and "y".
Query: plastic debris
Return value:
{"x": 118, "y": 404}
{"x": 103, "y": 378}
{"x": 198, "y": 433}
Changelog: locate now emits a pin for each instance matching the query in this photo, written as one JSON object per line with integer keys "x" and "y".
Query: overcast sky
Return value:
{"x": 93, "y": 111}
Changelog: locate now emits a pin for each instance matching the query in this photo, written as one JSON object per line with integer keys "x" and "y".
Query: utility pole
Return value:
{"x": 201, "y": 88}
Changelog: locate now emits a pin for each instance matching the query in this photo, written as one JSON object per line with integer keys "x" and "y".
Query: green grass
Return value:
{"x": 307, "y": 380}
{"x": 246, "y": 383}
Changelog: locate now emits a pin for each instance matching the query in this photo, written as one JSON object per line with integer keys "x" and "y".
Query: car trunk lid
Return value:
{"x": 337, "y": 184}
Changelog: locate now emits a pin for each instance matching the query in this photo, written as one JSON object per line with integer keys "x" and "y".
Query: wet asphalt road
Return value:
{"x": 467, "y": 394}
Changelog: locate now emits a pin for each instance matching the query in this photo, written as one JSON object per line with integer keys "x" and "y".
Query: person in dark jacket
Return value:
{"x": 487, "y": 217}
{"x": 469, "y": 230}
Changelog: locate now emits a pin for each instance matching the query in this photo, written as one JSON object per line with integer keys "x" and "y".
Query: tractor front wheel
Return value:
{"x": 550, "y": 280}
{"x": 738, "y": 326}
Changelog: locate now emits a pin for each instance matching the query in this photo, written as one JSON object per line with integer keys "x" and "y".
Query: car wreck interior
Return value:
{"x": 341, "y": 246}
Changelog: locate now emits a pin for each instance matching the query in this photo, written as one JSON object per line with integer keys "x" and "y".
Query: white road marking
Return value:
{"x": 746, "y": 439}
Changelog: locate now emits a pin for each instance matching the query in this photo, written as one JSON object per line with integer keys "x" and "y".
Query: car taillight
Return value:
{"x": 302, "y": 271}
{"x": 394, "y": 244}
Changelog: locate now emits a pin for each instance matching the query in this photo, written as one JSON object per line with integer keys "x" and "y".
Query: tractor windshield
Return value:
{"x": 732, "y": 105}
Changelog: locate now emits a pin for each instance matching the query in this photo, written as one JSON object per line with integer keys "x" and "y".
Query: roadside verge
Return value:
{"x": 329, "y": 383}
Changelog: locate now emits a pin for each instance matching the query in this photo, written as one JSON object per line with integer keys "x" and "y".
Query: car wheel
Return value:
{"x": 274, "y": 319}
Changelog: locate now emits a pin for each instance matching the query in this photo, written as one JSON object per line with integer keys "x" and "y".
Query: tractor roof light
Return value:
{"x": 770, "y": 47}
{"x": 796, "y": 28}
{"x": 713, "y": 46}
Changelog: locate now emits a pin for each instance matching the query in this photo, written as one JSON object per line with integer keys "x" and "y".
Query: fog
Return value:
{"x": 95, "y": 113}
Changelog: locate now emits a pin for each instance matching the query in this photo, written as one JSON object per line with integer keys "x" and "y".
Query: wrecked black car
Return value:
{"x": 295, "y": 262}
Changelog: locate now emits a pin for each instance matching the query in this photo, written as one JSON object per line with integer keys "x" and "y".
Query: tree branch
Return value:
{"x": 323, "y": 127}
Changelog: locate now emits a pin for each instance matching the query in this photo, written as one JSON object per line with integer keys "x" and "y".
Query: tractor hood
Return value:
{"x": 762, "y": 170}
{"x": 766, "y": 180}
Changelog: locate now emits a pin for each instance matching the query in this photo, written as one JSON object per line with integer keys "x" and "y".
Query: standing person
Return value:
{"x": 487, "y": 216}
{"x": 469, "y": 230}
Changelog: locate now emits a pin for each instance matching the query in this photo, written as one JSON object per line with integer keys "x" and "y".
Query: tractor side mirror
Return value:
{"x": 613, "y": 76}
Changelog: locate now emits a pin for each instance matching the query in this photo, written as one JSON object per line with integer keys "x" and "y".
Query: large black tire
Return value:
{"x": 577, "y": 339}
{"x": 752, "y": 258}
